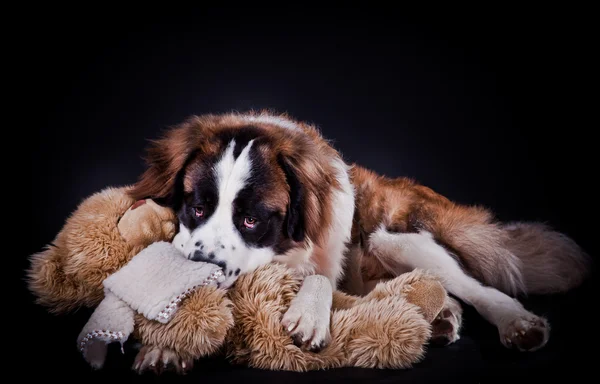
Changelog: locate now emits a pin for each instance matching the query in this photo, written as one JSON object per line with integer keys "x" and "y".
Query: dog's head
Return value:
{"x": 245, "y": 187}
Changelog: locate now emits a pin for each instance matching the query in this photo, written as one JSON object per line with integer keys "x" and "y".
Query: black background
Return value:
{"x": 487, "y": 107}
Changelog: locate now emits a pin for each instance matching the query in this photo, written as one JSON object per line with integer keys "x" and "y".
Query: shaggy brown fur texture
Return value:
{"x": 69, "y": 272}
{"x": 105, "y": 231}
{"x": 198, "y": 328}
{"x": 389, "y": 328}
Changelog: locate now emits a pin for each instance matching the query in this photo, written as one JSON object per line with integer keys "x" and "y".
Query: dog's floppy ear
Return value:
{"x": 311, "y": 179}
{"x": 294, "y": 221}
{"x": 166, "y": 159}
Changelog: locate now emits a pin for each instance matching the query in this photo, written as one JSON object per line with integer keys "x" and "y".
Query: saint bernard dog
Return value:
{"x": 256, "y": 188}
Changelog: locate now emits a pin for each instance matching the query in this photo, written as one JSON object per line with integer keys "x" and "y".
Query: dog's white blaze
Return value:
{"x": 232, "y": 175}
{"x": 219, "y": 234}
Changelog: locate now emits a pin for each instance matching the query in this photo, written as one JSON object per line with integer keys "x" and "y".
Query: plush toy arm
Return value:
{"x": 146, "y": 222}
{"x": 97, "y": 239}
{"x": 388, "y": 328}
{"x": 418, "y": 287}
{"x": 154, "y": 284}
{"x": 101, "y": 236}
{"x": 198, "y": 328}
{"x": 69, "y": 272}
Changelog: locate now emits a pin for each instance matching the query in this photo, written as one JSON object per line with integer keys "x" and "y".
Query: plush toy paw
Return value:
{"x": 159, "y": 360}
{"x": 146, "y": 222}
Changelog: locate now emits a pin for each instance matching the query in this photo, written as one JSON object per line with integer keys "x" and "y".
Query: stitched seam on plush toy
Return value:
{"x": 100, "y": 333}
{"x": 167, "y": 312}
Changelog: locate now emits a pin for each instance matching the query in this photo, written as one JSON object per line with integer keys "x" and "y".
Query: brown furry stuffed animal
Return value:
{"x": 388, "y": 328}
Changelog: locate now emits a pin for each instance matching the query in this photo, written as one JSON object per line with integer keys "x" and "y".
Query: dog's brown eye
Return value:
{"x": 199, "y": 211}
{"x": 249, "y": 222}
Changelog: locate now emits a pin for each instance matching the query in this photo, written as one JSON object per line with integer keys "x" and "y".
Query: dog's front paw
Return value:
{"x": 526, "y": 333}
{"x": 159, "y": 360}
{"x": 308, "y": 325}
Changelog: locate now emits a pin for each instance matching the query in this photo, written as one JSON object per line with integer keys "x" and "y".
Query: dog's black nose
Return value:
{"x": 199, "y": 255}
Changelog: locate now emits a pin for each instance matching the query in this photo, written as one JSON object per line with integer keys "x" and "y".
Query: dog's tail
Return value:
{"x": 516, "y": 258}
{"x": 551, "y": 262}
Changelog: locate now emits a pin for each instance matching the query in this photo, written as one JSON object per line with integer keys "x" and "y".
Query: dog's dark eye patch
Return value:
{"x": 253, "y": 207}
{"x": 250, "y": 199}
{"x": 204, "y": 194}
{"x": 265, "y": 233}
{"x": 249, "y": 202}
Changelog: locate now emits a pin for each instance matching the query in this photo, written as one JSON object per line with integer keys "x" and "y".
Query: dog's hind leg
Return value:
{"x": 517, "y": 327}
{"x": 446, "y": 327}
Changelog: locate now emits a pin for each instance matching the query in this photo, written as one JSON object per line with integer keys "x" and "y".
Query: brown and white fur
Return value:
{"x": 255, "y": 188}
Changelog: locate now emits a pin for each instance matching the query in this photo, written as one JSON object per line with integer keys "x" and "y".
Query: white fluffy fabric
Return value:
{"x": 153, "y": 283}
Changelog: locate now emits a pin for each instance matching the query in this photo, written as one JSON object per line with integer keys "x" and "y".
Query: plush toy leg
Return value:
{"x": 426, "y": 291}
{"x": 342, "y": 300}
{"x": 112, "y": 321}
{"x": 69, "y": 272}
{"x": 98, "y": 238}
{"x": 417, "y": 287}
{"x": 387, "y": 333}
{"x": 197, "y": 329}
{"x": 55, "y": 290}
{"x": 389, "y": 327}
{"x": 384, "y": 330}
{"x": 146, "y": 222}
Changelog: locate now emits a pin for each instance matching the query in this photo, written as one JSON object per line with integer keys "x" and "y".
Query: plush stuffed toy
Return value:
{"x": 153, "y": 283}
{"x": 120, "y": 257}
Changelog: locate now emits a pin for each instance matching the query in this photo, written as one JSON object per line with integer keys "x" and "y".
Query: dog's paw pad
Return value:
{"x": 444, "y": 329}
{"x": 526, "y": 334}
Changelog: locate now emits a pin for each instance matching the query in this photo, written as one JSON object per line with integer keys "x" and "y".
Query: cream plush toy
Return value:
{"x": 120, "y": 257}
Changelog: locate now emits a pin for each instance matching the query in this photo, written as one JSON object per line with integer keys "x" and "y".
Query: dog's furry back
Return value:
{"x": 516, "y": 258}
